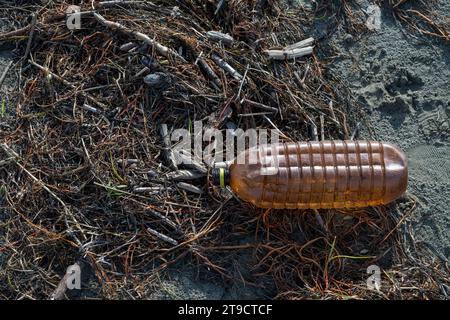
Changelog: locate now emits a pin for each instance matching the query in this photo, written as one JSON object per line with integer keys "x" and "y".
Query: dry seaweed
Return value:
{"x": 87, "y": 176}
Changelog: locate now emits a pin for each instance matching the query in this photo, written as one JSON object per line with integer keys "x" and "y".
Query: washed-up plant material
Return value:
{"x": 292, "y": 51}
{"x": 89, "y": 175}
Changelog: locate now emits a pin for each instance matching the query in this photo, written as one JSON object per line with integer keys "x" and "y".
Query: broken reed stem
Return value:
{"x": 209, "y": 72}
{"x": 289, "y": 54}
{"x": 226, "y": 66}
{"x": 292, "y": 51}
{"x": 160, "y": 49}
{"x": 162, "y": 237}
{"x": 220, "y": 37}
{"x": 14, "y": 33}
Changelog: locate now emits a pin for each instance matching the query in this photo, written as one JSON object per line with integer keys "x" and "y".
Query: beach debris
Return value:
{"x": 84, "y": 115}
{"x": 161, "y": 49}
{"x": 210, "y": 73}
{"x": 162, "y": 237}
{"x": 217, "y": 36}
{"x": 292, "y": 51}
{"x": 226, "y": 66}
{"x": 150, "y": 190}
{"x": 127, "y": 47}
{"x": 189, "y": 187}
{"x": 184, "y": 175}
{"x": 163, "y": 218}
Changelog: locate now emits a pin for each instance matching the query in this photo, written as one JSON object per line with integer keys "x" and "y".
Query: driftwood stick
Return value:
{"x": 301, "y": 44}
{"x": 217, "y": 36}
{"x": 209, "y": 72}
{"x": 226, "y": 66}
{"x": 163, "y": 237}
{"x": 289, "y": 54}
{"x": 15, "y": 33}
{"x": 296, "y": 50}
{"x": 160, "y": 49}
{"x": 260, "y": 105}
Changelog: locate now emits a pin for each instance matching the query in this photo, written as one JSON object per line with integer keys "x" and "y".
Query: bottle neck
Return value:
{"x": 220, "y": 177}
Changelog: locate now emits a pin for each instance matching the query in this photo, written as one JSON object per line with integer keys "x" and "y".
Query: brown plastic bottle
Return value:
{"x": 325, "y": 174}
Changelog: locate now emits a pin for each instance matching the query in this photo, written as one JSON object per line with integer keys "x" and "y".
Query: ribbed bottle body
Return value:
{"x": 322, "y": 174}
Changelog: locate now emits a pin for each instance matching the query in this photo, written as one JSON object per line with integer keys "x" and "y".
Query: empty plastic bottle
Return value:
{"x": 325, "y": 174}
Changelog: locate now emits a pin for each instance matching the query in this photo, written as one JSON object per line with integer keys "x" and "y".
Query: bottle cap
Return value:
{"x": 220, "y": 177}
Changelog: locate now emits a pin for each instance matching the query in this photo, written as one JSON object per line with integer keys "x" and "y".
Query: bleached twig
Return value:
{"x": 301, "y": 44}
{"x": 209, "y": 72}
{"x": 163, "y": 237}
{"x": 260, "y": 105}
{"x": 220, "y": 37}
{"x": 128, "y": 46}
{"x": 160, "y": 49}
{"x": 184, "y": 175}
{"x": 226, "y": 66}
{"x": 289, "y": 54}
{"x": 293, "y": 51}
{"x": 189, "y": 187}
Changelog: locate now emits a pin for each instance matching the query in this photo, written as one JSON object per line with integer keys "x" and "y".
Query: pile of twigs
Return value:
{"x": 87, "y": 178}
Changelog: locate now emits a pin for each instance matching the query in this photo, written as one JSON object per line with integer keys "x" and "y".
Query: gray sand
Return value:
{"x": 403, "y": 84}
